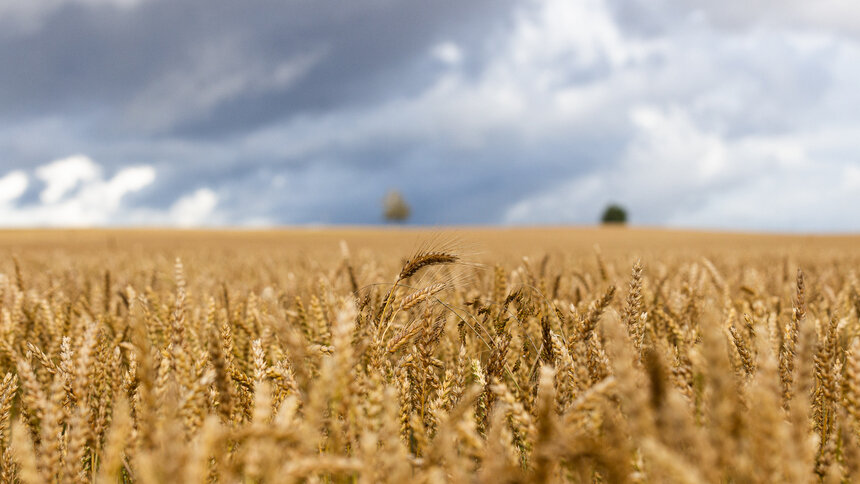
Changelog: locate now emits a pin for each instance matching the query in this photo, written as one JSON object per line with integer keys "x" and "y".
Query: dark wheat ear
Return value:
{"x": 425, "y": 259}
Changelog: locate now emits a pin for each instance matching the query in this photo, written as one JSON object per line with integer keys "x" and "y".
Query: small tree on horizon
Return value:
{"x": 614, "y": 214}
{"x": 395, "y": 208}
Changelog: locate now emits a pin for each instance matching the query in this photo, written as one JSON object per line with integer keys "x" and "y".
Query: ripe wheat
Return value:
{"x": 718, "y": 369}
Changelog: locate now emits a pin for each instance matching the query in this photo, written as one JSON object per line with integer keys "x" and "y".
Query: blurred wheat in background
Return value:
{"x": 656, "y": 357}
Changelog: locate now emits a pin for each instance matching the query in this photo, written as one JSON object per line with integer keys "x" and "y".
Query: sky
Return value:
{"x": 729, "y": 114}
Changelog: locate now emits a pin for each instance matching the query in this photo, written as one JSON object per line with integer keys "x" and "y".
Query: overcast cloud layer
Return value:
{"x": 712, "y": 114}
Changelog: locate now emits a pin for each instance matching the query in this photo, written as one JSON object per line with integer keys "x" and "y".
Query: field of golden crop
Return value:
{"x": 359, "y": 355}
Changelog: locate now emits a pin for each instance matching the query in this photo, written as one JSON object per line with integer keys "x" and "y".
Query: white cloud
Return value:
{"x": 448, "y": 53}
{"x": 583, "y": 33}
{"x": 817, "y": 197}
{"x": 822, "y": 15}
{"x": 127, "y": 180}
{"x": 677, "y": 173}
{"x": 63, "y": 175}
{"x": 75, "y": 195}
{"x": 12, "y": 186}
{"x": 195, "y": 209}
{"x": 524, "y": 89}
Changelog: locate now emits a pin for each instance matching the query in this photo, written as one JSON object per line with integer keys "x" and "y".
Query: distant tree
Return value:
{"x": 395, "y": 207}
{"x": 614, "y": 214}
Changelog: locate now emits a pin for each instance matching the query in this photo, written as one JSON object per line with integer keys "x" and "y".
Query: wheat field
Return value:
{"x": 359, "y": 355}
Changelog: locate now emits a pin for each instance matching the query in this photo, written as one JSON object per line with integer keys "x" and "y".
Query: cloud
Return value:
{"x": 448, "y": 53}
{"x": 240, "y": 66}
{"x": 827, "y": 15}
{"x": 24, "y": 17}
{"x": 479, "y": 112}
{"x": 62, "y": 175}
{"x": 658, "y": 17}
{"x": 75, "y": 194}
{"x": 216, "y": 74}
{"x": 195, "y": 209}
{"x": 12, "y": 186}
{"x": 679, "y": 173}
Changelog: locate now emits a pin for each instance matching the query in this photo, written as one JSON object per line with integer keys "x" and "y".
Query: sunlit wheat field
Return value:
{"x": 415, "y": 355}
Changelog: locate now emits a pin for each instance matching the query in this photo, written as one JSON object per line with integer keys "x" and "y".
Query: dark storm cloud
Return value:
{"x": 110, "y": 61}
